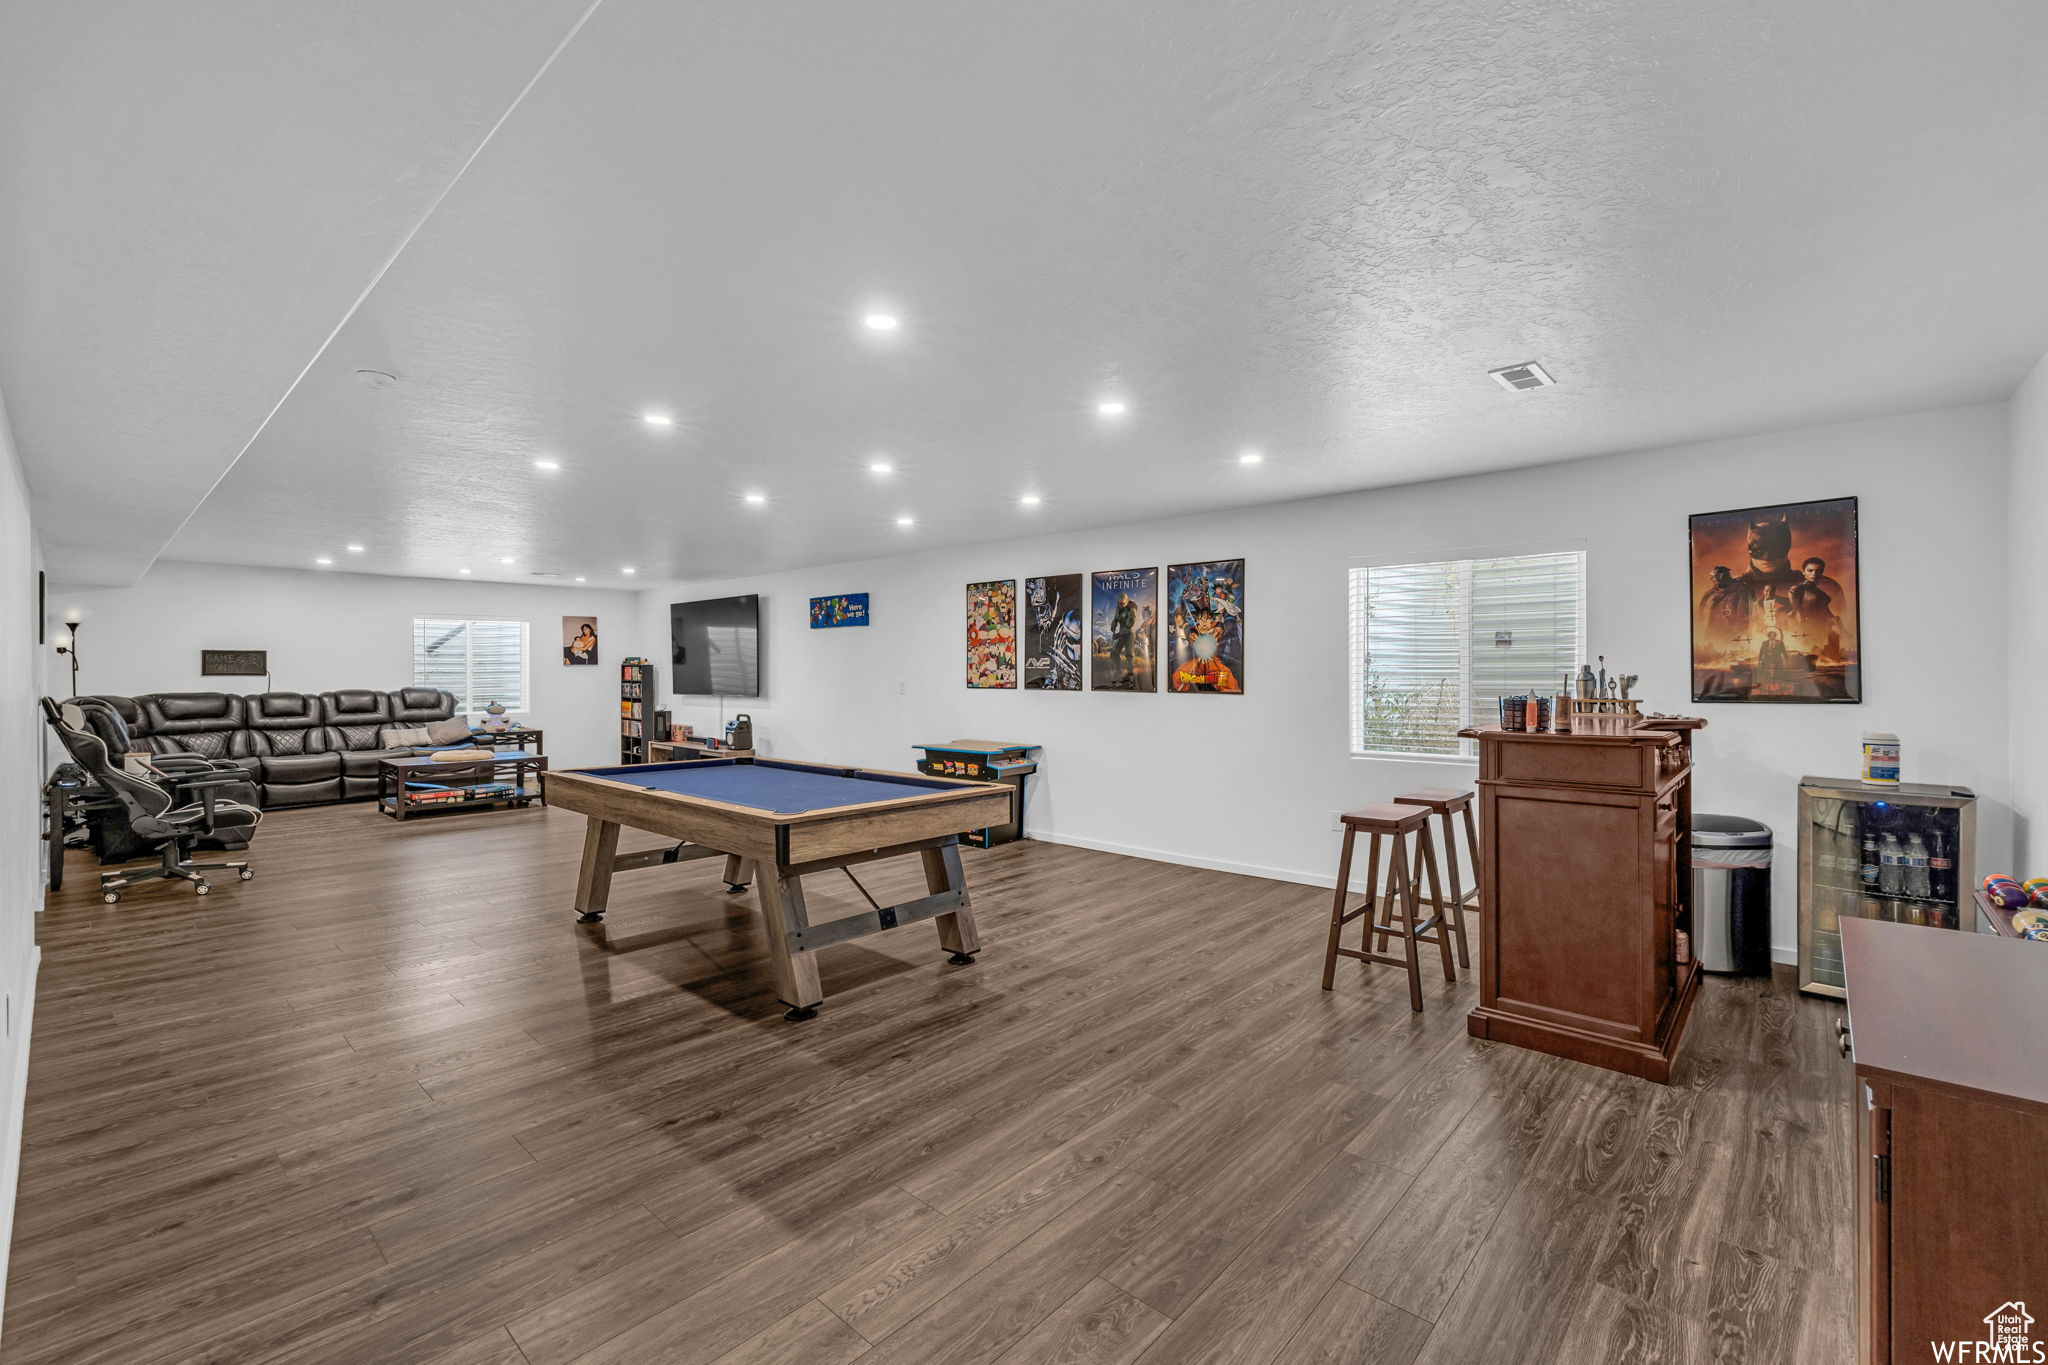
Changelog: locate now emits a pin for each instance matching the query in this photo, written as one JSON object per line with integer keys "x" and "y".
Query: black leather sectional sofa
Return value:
{"x": 299, "y": 748}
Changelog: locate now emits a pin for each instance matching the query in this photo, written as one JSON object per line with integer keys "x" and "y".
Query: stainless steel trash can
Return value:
{"x": 1731, "y": 894}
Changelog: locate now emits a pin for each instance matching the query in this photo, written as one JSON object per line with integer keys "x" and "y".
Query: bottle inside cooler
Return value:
{"x": 1915, "y": 879}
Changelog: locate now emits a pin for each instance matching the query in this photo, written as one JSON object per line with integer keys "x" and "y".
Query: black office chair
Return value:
{"x": 172, "y": 810}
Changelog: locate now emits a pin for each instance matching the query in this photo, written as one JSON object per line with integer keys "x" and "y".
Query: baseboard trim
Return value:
{"x": 1277, "y": 874}
{"x": 1789, "y": 956}
{"x": 17, "y": 1108}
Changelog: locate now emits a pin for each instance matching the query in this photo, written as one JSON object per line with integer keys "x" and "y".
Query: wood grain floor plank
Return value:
{"x": 732, "y": 1311}
{"x": 1101, "y": 1325}
{"x": 811, "y": 1335}
{"x": 985, "y": 1317}
{"x": 1351, "y": 1327}
{"x": 1250, "y": 1311}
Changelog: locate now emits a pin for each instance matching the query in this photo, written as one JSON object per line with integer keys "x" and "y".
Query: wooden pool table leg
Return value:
{"x": 957, "y": 933}
{"x": 735, "y": 874}
{"x": 594, "y": 878}
{"x": 782, "y": 910}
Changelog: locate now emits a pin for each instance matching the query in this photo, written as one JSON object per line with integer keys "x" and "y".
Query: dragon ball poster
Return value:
{"x": 992, "y": 634}
{"x": 1775, "y": 616}
{"x": 1053, "y": 608}
{"x": 1123, "y": 632}
{"x": 1205, "y": 626}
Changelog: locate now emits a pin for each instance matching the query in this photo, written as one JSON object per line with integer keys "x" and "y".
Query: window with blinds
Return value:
{"x": 1435, "y": 646}
{"x": 479, "y": 661}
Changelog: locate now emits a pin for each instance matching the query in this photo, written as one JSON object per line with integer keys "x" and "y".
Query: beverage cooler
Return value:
{"x": 1902, "y": 853}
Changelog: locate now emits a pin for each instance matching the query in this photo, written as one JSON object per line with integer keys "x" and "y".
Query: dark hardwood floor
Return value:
{"x": 388, "y": 1103}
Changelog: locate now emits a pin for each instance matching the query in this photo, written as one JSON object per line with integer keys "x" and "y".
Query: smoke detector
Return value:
{"x": 376, "y": 379}
{"x": 1521, "y": 378}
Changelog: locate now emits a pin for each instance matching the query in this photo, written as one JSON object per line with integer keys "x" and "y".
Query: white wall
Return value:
{"x": 1248, "y": 783}
{"x": 2026, "y": 635}
{"x": 21, "y": 866}
{"x": 327, "y": 631}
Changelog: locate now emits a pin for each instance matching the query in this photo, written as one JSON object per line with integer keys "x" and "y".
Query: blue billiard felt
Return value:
{"x": 781, "y": 788}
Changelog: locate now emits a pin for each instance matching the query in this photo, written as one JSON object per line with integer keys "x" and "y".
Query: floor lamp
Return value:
{"x": 68, "y": 644}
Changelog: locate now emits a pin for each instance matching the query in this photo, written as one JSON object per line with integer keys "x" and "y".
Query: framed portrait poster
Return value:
{"x": 1775, "y": 610}
{"x": 579, "y": 641}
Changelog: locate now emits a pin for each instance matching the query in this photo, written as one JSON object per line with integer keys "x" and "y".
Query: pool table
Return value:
{"x": 775, "y": 822}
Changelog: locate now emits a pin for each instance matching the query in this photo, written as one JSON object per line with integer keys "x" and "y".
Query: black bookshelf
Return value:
{"x": 636, "y": 711}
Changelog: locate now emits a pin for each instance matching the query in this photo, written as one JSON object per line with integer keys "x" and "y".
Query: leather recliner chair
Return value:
{"x": 284, "y": 734}
{"x": 356, "y": 721}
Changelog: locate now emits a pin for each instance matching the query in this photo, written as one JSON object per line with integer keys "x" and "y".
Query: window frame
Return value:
{"x": 462, "y": 698}
{"x": 1357, "y": 644}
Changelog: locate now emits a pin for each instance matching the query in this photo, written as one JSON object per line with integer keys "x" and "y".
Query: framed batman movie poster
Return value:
{"x": 1775, "y": 616}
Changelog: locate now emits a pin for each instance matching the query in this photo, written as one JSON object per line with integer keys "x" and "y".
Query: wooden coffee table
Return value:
{"x": 506, "y": 778}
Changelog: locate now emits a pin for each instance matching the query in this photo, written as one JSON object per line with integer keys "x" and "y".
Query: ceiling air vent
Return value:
{"x": 1520, "y": 378}
{"x": 543, "y": 573}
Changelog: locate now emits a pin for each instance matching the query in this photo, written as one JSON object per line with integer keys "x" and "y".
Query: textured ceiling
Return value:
{"x": 1304, "y": 228}
{"x": 191, "y": 197}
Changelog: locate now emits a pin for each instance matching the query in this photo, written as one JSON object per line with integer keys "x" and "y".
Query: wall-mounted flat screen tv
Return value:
{"x": 715, "y": 647}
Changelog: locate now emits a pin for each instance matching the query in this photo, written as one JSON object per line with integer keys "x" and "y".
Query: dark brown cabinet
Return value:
{"x": 1952, "y": 1121}
{"x": 1583, "y": 894}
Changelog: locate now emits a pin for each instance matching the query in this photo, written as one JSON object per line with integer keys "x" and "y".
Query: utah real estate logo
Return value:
{"x": 2008, "y": 1337}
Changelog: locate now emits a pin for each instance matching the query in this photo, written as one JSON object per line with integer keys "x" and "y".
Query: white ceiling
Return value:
{"x": 1308, "y": 228}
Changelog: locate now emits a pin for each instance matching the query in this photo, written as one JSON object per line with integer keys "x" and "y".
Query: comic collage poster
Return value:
{"x": 1775, "y": 616}
{"x": 1124, "y": 632}
{"x": 1053, "y": 608}
{"x": 1205, "y": 626}
{"x": 992, "y": 634}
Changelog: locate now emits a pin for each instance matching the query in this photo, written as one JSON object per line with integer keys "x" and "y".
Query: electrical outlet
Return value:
{"x": 902, "y": 688}
{"x": 1336, "y": 822}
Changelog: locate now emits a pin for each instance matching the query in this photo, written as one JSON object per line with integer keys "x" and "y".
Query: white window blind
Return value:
{"x": 479, "y": 661}
{"x": 1435, "y": 646}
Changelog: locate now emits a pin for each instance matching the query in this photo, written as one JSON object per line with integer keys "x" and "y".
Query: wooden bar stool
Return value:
{"x": 1448, "y": 802}
{"x": 1395, "y": 824}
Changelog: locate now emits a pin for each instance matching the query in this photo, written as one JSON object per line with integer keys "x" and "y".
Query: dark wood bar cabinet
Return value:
{"x": 1951, "y": 1121}
{"x": 1584, "y": 852}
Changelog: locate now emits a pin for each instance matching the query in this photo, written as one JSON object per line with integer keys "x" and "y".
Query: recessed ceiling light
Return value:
{"x": 508, "y": 560}
{"x": 1521, "y": 378}
{"x": 627, "y": 570}
{"x": 549, "y": 465}
{"x": 757, "y": 498}
{"x": 323, "y": 559}
{"x": 1031, "y": 500}
{"x": 462, "y": 571}
{"x": 880, "y": 467}
{"x": 355, "y": 549}
{"x": 906, "y": 521}
{"x": 657, "y": 419}
{"x": 1250, "y": 457}
{"x": 579, "y": 578}
{"x": 882, "y": 322}
{"x": 1112, "y": 407}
